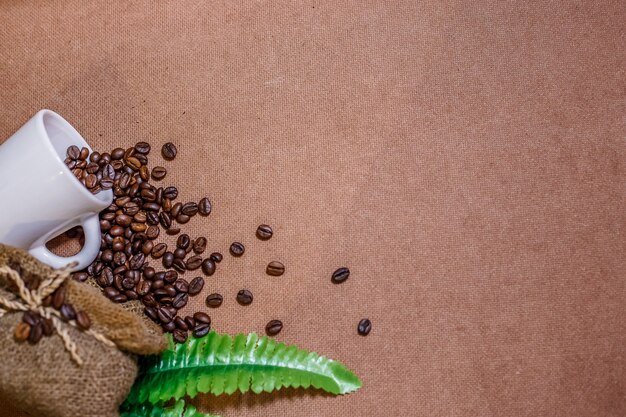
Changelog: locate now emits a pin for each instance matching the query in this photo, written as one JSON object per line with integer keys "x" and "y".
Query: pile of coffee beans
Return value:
{"x": 131, "y": 226}
{"x": 34, "y": 326}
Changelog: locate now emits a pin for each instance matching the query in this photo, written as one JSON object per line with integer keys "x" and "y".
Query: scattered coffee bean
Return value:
{"x": 180, "y": 300}
{"x": 82, "y": 320}
{"x": 201, "y": 317}
{"x": 48, "y": 327}
{"x": 169, "y": 151}
{"x": 340, "y": 275}
{"x": 36, "y": 333}
{"x": 196, "y": 285}
{"x": 208, "y": 267}
{"x": 168, "y": 259}
{"x": 244, "y": 297}
{"x": 201, "y": 329}
{"x": 216, "y": 257}
{"x": 199, "y": 245}
{"x": 80, "y": 276}
{"x": 158, "y": 173}
{"x": 274, "y": 327}
{"x": 179, "y": 335}
{"x": 204, "y": 207}
{"x": 364, "y": 327}
{"x": 22, "y": 330}
{"x": 214, "y": 300}
{"x": 142, "y": 148}
{"x": 159, "y": 250}
{"x": 194, "y": 262}
{"x": 67, "y": 312}
{"x": 183, "y": 241}
{"x": 237, "y": 249}
{"x": 173, "y": 231}
{"x": 164, "y": 315}
{"x": 264, "y": 232}
{"x": 275, "y": 268}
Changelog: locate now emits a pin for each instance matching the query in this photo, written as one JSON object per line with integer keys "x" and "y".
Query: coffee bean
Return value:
{"x": 91, "y": 180}
{"x": 216, "y": 257}
{"x": 189, "y": 209}
{"x": 80, "y": 276}
{"x": 180, "y": 300}
{"x": 149, "y": 272}
{"x": 116, "y": 231}
{"x": 117, "y": 153}
{"x": 35, "y": 334}
{"x": 274, "y": 327}
{"x": 48, "y": 327}
{"x": 123, "y": 220}
{"x": 180, "y": 323}
{"x": 106, "y": 184}
{"x": 152, "y": 232}
{"x": 179, "y": 265}
{"x": 68, "y": 312}
{"x": 131, "y": 208}
{"x": 106, "y": 277}
{"x": 264, "y": 232}
{"x": 111, "y": 292}
{"x": 173, "y": 231}
{"x": 58, "y": 299}
{"x": 275, "y": 268}
{"x": 143, "y": 288}
{"x": 180, "y": 253}
{"x": 152, "y": 218}
{"x": 199, "y": 245}
{"x": 22, "y": 330}
{"x": 146, "y": 247}
{"x": 237, "y": 249}
{"x": 244, "y": 297}
{"x": 133, "y": 162}
{"x": 158, "y": 173}
{"x": 170, "y": 277}
{"x": 194, "y": 262}
{"x": 208, "y": 267}
{"x": 121, "y": 298}
{"x": 82, "y": 320}
{"x": 164, "y": 315}
{"x": 73, "y": 152}
{"x": 170, "y": 192}
{"x": 128, "y": 283}
{"x": 214, "y": 300}
{"x": 179, "y": 335}
{"x": 159, "y": 250}
{"x": 196, "y": 285}
{"x": 204, "y": 207}
{"x": 340, "y": 275}
{"x": 168, "y": 327}
{"x": 191, "y": 323}
{"x": 151, "y": 313}
{"x": 181, "y": 285}
{"x": 201, "y": 329}
{"x": 31, "y": 318}
{"x": 137, "y": 260}
{"x": 168, "y": 259}
{"x": 166, "y": 222}
{"x": 183, "y": 241}
{"x": 201, "y": 317}
{"x": 176, "y": 208}
{"x": 169, "y": 151}
{"x": 364, "y": 327}
{"x": 142, "y": 148}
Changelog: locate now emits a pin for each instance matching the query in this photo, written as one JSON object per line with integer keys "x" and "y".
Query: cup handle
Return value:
{"x": 89, "y": 252}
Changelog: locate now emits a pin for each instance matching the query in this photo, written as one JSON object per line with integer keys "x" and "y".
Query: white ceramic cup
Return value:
{"x": 40, "y": 197}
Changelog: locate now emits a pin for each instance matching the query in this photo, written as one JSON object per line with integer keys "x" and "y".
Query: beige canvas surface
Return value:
{"x": 466, "y": 160}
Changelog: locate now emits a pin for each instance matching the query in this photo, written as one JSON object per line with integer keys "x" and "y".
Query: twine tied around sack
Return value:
{"x": 31, "y": 300}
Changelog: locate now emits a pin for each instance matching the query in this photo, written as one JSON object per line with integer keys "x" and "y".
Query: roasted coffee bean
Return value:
{"x": 216, "y": 257}
{"x": 142, "y": 148}
{"x": 189, "y": 209}
{"x": 173, "y": 231}
{"x": 118, "y": 244}
{"x": 194, "y": 262}
{"x": 196, "y": 285}
{"x": 180, "y": 300}
{"x": 68, "y": 312}
{"x": 148, "y": 195}
{"x": 152, "y": 232}
{"x": 82, "y": 320}
{"x": 201, "y": 329}
{"x": 237, "y": 249}
{"x": 106, "y": 277}
{"x": 84, "y": 154}
{"x": 121, "y": 298}
{"x": 106, "y": 184}
{"x": 340, "y": 275}
{"x": 166, "y": 204}
{"x": 168, "y": 259}
{"x": 199, "y": 245}
{"x": 169, "y": 151}
{"x": 168, "y": 327}
{"x": 151, "y": 313}
{"x": 204, "y": 207}
{"x": 208, "y": 267}
{"x": 92, "y": 169}
{"x": 158, "y": 173}
{"x": 160, "y": 293}
{"x": 179, "y": 335}
{"x": 159, "y": 250}
{"x": 149, "y": 272}
{"x": 128, "y": 283}
{"x": 116, "y": 231}
{"x": 90, "y": 181}
{"x": 152, "y": 218}
{"x": 181, "y": 285}
{"x": 80, "y": 276}
{"x": 275, "y": 268}
{"x": 117, "y": 153}
{"x": 146, "y": 247}
{"x": 180, "y": 323}
{"x": 73, "y": 152}
{"x": 143, "y": 288}
{"x": 151, "y": 207}
{"x": 183, "y": 241}
{"x": 21, "y": 332}
{"x": 214, "y": 300}
{"x": 180, "y": 253}
{"x": 119, "y": 258}
{"x": 191, "y": 323}
{"x": 140, "y": 217}
{"x": 164, "y": 315}
{"x": 35, "y": 334}
{"x": 137, "y": 261}
{"x": 138, "y": 227}
{"x": 111, "y": 292}
{"x": 264, "y": 232}
{"x": 274, "y": 327}
{"x": 182, "y": 218}
{"x": 364, "y": 327}
{"x": 47, "y": 326}
{"x": 176, "y": 208}
{"x": 47, "y": 301}
{"x": 201, "y": 317}
{"x": 131, "y": 294}
{"x": 179, "y": 265}
{"x": 170, "y": 276}
{"x": 107, "y": 256}
{"x": 170, "y": 192}
{"x": 244, "y": 297}
{"x": 149, "y": 300}
{"x": 58, "y": 299}
{"x": 94, "y": 157}
{"x": 31, "y": 318}
{"x": 165, "y": 220}
{"x": 133, "y": 162}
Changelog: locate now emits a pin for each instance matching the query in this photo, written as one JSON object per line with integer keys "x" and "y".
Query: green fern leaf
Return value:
{"x": 222, "y": 364}
{"x": 150, "y": 410}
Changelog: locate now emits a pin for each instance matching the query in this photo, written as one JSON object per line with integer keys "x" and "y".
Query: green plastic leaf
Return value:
{"x": 179, "y": 409}
{"x": 222, "y": 364}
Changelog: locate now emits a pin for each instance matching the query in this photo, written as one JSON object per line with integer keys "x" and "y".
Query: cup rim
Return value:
{"x": 107, "y": 194}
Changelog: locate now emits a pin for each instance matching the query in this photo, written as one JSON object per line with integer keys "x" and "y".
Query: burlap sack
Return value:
{"x": 43, "y": 380}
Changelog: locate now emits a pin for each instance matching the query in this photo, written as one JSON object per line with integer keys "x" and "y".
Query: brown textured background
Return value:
{"x": 466, "y": 160}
